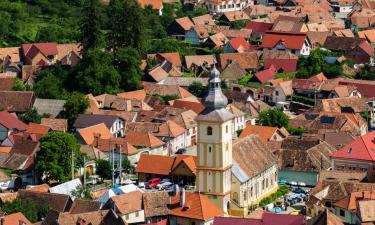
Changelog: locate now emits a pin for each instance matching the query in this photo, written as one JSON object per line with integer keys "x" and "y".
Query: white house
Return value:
{"x": 296, "y": 43}
{"x": 227, "y": 5}
{"x": 238, "y": 121}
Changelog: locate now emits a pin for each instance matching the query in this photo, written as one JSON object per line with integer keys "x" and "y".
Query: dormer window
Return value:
{"x": 209, "y": 130}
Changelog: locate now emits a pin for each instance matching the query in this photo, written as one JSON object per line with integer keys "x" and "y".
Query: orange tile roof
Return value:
{"x": 129, "y": 202}
{"x": 350, "y": 201}
{"x": 39, "y": 188}
{"x": 154, "y": 164}
{"x": 15, "y": 219}
{"x": 87, "y": 133}
{"x": 143, "y": 139}
{"x": 156, "y": 4}
{"x": 34, "y": 128}
{"x": 264, "y": 132}
{"x": 368, "y": 34}
{"x": 138, "y": 95}
{"x": 171, "y": 129}
{"x": 106, "y": 145}
{"x": 197, "y": 206}
{"x": 188, "y": 160}
{"x": 185, "y": 23}
{"x": 195, "y": 106}
{"x": 5, "y": 149}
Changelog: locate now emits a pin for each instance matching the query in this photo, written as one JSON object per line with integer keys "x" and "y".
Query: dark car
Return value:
{"x": 181, "y": 151}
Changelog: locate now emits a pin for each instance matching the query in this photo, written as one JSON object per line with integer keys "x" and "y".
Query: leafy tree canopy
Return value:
{"x": 28, "y": 208}
{"x": 103, "y": 168}
{"x": 273, "y": 118}
{"x": 197, "y": 89}
{"x": 54, "y": 156}
{"x": 75, "y": 104}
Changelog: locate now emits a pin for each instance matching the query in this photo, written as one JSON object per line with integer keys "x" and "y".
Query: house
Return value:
{"x": 40, "y": 54}
{"x": 67, "y": 187}
{"x": 113, "y": 123}
{"x": 343, "y": 33}
{"x": 83, "y": 206}
{"x": 185, "y": 82}
{"x": 220, "y": 7}
{"x": 197, "y": 107}
{"x": 180, "y": 168}
{"x": 137, "y": 95}
{"x": 232, "y": 72}
{"x": 233, "y": 33}
{"x": 197, "y": 34}
{"x": 325, "y": 217}
{"x": 258, "y": 28}
{"x": 15, "y": 218}
{"x": 296, "y": 42}
{"x": 265, "y": 133}
{"x": 52, "y": 107}
{"x": 234, "y": 16}
{"x": 128, "y": 206}
{"x": 7, "y": 81}
{"x": 288, "y": 25}
{"x": 101, "y": 217}
{"x": 10, "y": 59}
{"x": 157, "y": 5}
{"x": 362, "y": 18}
{"x": 16, "y": 101}
{"x": 9, "y": 123}
{"x": 347, "y": 208}
{"x": 192, "y": 208}
{"x": 369, "y": 35}
{"x": 217, "y": 40}
{"x": 264, "y": 218}
{"x": 238, "y": 122}
{"x": 366, "y": 212}
{"x": 146, "y": 142}
{"x": 206, "y": 20}
{"x": 247, "y": 60}
{"x": 282, "y": 92}
{"x": 199, "y": 63}
{"x": 55, "y": 124}
{"x": 265, "y": 75}
{"x": 238, "y": 44}
{"x": 179, "y": 27}
{"x": 156, "y": 206}
{"x": 283, "y": 61}
{"x": 56, "y": 202}
{"x": 254, "y": 174}
{"x": 87, "y": 135}
{"x": 163, "y": 90}
{"x": 171, "y": 57}
{"x": 357, "y": 156}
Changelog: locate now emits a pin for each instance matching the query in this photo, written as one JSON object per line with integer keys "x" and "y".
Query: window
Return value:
{"x": 209, "y": 130}
{"x": 137, "y": 214}
{"x": 226, "y": 129}
{"x": 277, "y": 93}
{"x": 210, "y": 149}
{"x": 342, "y": 213}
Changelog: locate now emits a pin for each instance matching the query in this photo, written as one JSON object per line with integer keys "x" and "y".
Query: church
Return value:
{"x": 232, "y": 177}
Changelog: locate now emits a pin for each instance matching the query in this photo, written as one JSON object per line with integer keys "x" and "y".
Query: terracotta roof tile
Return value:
{"x": 15, "y": 219}
{"x": 55, "y": 124}
{"x": 87, "y": 134}
{"x": 11, "y": 121}
{"x": 143, "y": 139}
{"x": 266, "y": 75}
{"x": 34, "y": 128}
{"x": 195, "y": 106}
{"x": 239, "y": 44}
{"x": 16, "y": 101}
{"x": 147, "y": 164}
{"x": 7, "y": 81}
{"x": 185, "y": 23}
{"x": 156, "y": 4}
{"x": 138, "y": 95}
{"x": 247, "y": 60}
{"x": 127, "y": 203}
{"x": 290, "y": 40}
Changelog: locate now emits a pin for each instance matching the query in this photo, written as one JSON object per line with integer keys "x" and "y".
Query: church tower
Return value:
{"x": 214, "y": 146}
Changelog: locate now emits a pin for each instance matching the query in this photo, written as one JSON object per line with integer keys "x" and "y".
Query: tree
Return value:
{"x": 126, "y": 27}
{"x": 126, "y": 165}
{"x": 18, "y": 85}
{"x": 273, "y": 118}
{"x": 31, "y": 116}
{"x": 197, "y": 89}
{"x": 90, "y": 36}
{"x": 96, "y": 74}
{"x": 55, "y": 156}
{"x": 50, "y": 83}
{"x": 127, "y": 63}
{"x": 27, "y": 207}
{"x": 103, "y": 168}
{"x": 75, "y": 104}
{"x": 82, "y": 192}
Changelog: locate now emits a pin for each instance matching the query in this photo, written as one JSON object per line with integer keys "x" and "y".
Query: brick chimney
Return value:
{"x": 96, "y": 140}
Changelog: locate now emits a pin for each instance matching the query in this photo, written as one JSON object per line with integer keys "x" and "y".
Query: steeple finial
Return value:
{"x": 215, "y": 98}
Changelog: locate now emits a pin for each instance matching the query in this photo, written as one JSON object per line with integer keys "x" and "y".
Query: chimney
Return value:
{"x": 182, "y": 197}
{"x": 96, "y": 140}
{"x": 128, "y": 105}
{"x": 2, "y": 221}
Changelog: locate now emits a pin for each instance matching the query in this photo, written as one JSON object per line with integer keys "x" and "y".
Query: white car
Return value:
{"x": 163, "y": 185}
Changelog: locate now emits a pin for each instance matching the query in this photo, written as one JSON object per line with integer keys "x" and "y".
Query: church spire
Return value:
{"x": 215, "y": 98}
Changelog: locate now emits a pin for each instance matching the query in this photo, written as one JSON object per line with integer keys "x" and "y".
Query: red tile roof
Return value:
{"x": 366, "y": 89}
{"x": 143, "y": 139}
{"x": 195, "y": 106}
{"x": 305, "y": 84}
{"x": 238, "y": 42}
{"x": 284, "y": 65}
{"x": 34, "y": 128}
{"x": 366, "y": 47}
{"x": 264, "y": 132}
{"x": 259, "y": 26}
{"x": 266, "y": 75}
{"x": 11, "y": 122}
{"x": 291, "y": 40}
{"x": 154, "y": 164}
{"x": 31, "y": 50}
{"x": 185, "y": 23}
{"x": 15, "y": 219}
{"x": 359, "y": 149}
{"x": 155, "y": 4}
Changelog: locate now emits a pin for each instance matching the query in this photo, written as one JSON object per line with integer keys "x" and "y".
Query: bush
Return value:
{"x": 274, "y": 196}
{"x": 302, "y": 99}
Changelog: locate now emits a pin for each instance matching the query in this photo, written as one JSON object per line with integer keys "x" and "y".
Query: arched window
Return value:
{"x": 209, "y": 149}
{"x": 226, "y": 129}
{"x": 209, "y": 130}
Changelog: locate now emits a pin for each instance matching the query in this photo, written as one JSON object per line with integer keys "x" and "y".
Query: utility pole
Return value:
{"x": 113, "y": 166}
{"x": 120, "y": 167}
{"x": 72, "y": 166}
{"x": 84, "y": 170}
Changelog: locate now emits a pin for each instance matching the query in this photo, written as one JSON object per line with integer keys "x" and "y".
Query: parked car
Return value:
{"x": 141, "y": 184}
{"x": 163, "y": 185}
{"x": 181, "y": 151}
{"x": 153, "y": 182}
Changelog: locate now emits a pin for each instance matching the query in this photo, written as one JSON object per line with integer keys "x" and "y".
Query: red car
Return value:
{"x": 153, "y": 182}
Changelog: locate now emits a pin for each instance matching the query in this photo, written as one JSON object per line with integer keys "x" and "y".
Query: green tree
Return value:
{"x": 75, "y": 104}
{"x": 103, "y": 168}
{"x": 96, "y": 74}
{"x": 197, "y": 89}
{"x": 126, "y": 27}
{"x": 18, "y": 85}
{"x": 82, "y": 192}
{"x": 126, "y": 165}
{"x": 27, "y": 207}
{"x": 127, "y": 63}
{"x": 30, "y": 116}
{"x": 50, "y": 83}
{"x": 90, "y": 36}
{"x": 54, "y": 156}
{"x": 273, "y": 118}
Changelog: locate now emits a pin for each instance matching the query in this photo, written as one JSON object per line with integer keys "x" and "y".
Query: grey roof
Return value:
{"x": 52, "y": 107}
{"x": 88, "y": 120}
{"x": 184, "y": 81}
{"x": 216, "y": 115}
{"x": 238, "y": 172}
